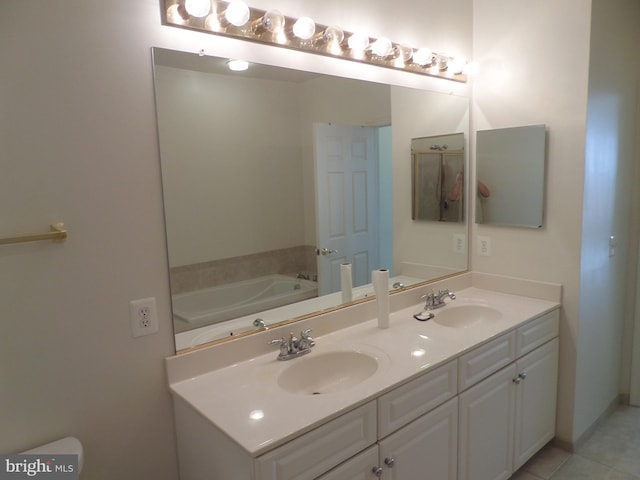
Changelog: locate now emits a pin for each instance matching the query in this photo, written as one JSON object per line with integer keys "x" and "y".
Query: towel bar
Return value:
{"x": 57, "y": 233}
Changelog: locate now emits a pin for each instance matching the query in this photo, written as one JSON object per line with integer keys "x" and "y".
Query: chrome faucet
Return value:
{"x": 260, "y": 323}
{"x": 293, "y": 346}
{"x": 436, "y": 300}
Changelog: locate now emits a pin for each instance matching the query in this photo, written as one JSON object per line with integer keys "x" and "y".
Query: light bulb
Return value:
{"x": 237, "y": 13}
{"x": 471, "y": 68}
{"x": 443, "y": 61}
{"x": 304, "y": 28}
{"x": 333, "y": 34}
{"x": 423, "y": 57}
{"x": 382, "y": 47}
{"x": 456, "y": 65}
{"x": 238, "y": 65}
{"x": 404, "y": 53}
{"x": 198, "y": 8}
{"x": 174, "y": 14}
{"x": 358, "y": 42}
{"x": 273, "y": 21}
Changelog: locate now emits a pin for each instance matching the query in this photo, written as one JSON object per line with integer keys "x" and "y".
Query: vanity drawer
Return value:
{"x": 407, "y": 402}
{"x": 537, "y": 332}
{"x": 486, "y": 359}
{"x": 314, "y": 453}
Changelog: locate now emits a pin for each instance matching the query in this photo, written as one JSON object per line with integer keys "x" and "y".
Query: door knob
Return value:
{"x": 325, "y": 251}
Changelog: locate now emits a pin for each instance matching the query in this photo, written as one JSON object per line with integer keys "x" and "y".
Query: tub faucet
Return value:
{"x": 293, "y": 346}
{"x": 436, "y": 300}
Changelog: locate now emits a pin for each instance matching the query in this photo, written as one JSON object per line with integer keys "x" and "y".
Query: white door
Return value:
{"x": 360, "y": 467}
{"x": 426, "y": 448}
{"x": 535, "y": 421}
{"x": 485, "y": 448}
{"x": 347, "y": 203}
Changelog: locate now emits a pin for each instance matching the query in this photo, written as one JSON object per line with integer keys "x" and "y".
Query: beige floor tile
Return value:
{"x": 617, "y": 475}
{"x": 623, "y": 423}
{"x": 580, "y": 468}
{"x": 522, "y": 475}
{"x": 546, "y": 461}
{"x": 604, "y": 448}
{"x": 629, "y": 461}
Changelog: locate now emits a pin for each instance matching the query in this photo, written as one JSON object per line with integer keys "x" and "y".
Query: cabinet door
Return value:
{"x": 535, "y": 419}
{"x": 318, "y": 451}
{"x": 425, "y": 448}
{"x": 485, "y": 447}
{"x": 360, "y": 467}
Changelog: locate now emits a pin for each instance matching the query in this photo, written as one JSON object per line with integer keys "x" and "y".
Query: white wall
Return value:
{"x": 218, "y": 167}
{"x": 557, "y": 75}
{"x": 608, "y": 201}
{"x": 533, "y": 69}
{"x": 79, "y": 145}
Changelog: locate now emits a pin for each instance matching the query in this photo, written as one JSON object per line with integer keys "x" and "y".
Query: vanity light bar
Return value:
{"x": 235, "y": 19}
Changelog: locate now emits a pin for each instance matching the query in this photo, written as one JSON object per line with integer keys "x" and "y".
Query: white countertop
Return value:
{"x": 245, "y": 401}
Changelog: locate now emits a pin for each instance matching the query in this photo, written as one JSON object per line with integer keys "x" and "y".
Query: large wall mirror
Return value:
{"x": 274, "y": 178}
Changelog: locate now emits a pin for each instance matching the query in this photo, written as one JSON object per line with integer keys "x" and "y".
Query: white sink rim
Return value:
{"x": 467, "y": 315}
{"x": 327, "y": 372}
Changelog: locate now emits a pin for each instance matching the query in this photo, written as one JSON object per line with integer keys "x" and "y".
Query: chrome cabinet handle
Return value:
{"x": 377, "y": 471}
{"x": 521, "y": 376}
{"x": 389, "y": 462}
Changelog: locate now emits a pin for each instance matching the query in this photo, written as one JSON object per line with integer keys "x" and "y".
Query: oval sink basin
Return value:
{"x": 328, "y": 372}
{"x": 465, "y": 316}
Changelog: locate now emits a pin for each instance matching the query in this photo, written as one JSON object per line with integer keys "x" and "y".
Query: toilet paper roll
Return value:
{"x": 380, "y": 280}
{"x": 346, "y": 283}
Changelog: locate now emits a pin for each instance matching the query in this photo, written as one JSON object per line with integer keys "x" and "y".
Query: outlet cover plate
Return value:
{"x": 144, "y": 317}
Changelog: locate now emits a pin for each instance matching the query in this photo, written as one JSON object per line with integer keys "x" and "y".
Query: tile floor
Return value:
{"x": 612, "y": 452}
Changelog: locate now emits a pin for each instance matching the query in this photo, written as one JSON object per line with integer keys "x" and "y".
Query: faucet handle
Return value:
{"x": 445, "y": 291}
{"x": 283, "y": 342}
{"x": 430, "y": 298}
{"x": 306, "y": 338}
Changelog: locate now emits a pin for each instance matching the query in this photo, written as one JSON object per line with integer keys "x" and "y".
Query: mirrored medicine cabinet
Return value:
{"x": 510, "y": 174}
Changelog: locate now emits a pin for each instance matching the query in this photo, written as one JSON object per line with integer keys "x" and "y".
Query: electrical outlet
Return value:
{"x": 459, "y": 243}
{"x": 484, "y": 246}
{"x": 144, "y": 319}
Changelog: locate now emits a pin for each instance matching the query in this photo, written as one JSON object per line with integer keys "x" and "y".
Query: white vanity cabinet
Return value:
{"x": 426, "y": 448}
{"x": 507, "y": 417}
{"x": 479, "y": 415}
{"x": 417, "y": 431}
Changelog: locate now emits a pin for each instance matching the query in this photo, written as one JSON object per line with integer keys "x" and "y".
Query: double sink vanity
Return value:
{"x": 468, "y": 394}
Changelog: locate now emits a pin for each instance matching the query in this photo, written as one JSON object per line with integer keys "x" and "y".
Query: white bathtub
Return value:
{"x": 217, "y": 304}
{"x": 202, "y": 334}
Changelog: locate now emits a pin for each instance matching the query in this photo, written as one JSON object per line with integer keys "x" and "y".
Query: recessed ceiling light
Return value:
{"x": 238, "y": 65}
